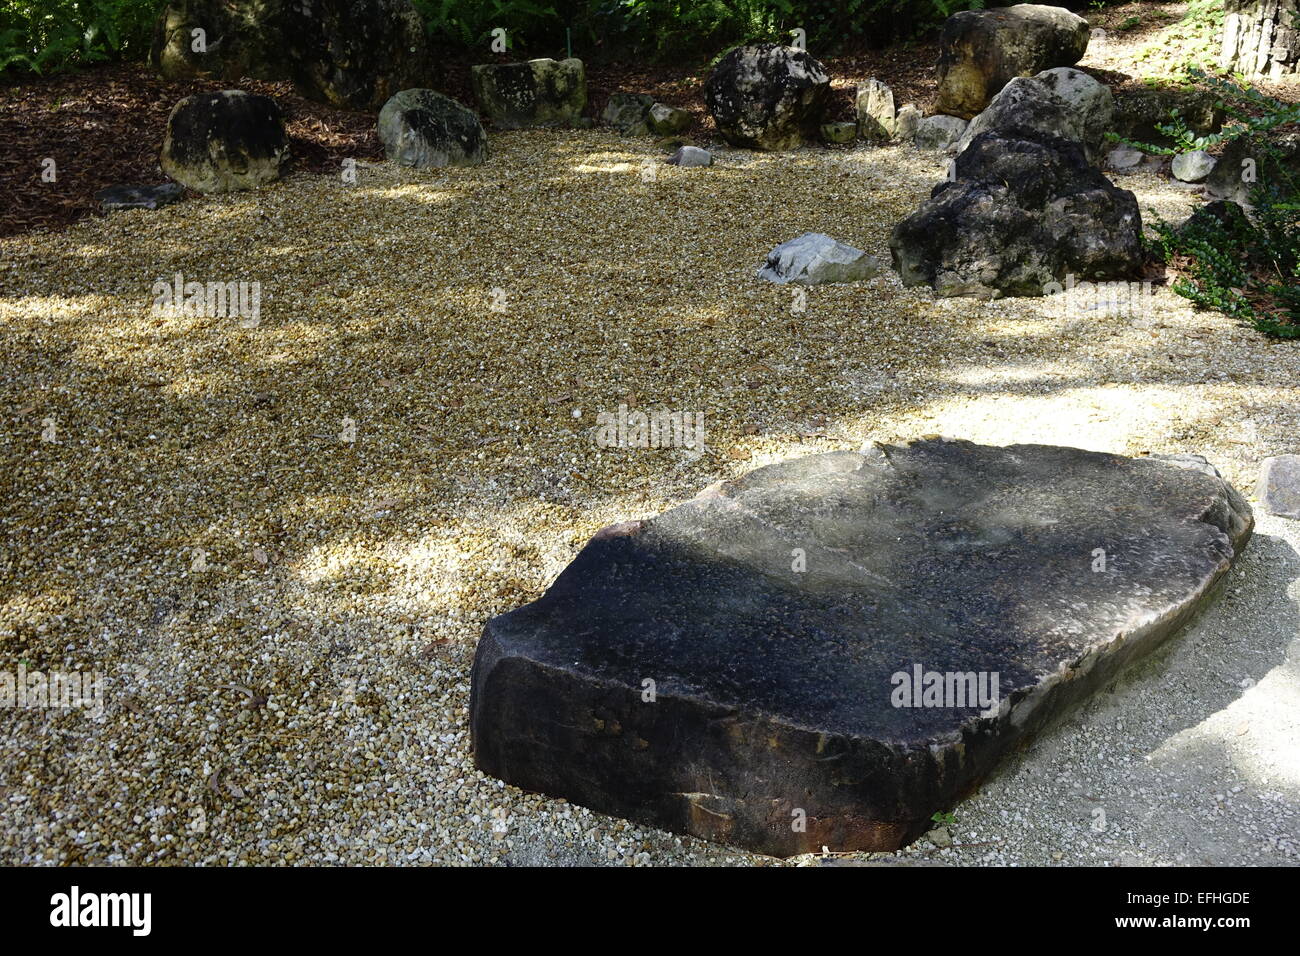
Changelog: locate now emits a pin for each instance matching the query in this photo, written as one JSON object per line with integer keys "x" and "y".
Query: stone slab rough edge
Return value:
{"x": 649, "y": 737}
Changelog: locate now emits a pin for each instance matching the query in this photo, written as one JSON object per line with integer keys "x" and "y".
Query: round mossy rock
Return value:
{"x": 226, "y": 141}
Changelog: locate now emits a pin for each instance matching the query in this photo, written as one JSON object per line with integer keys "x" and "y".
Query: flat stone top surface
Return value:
{"x": 954, "y": 556}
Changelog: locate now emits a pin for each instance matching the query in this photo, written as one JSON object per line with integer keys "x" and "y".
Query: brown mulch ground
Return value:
{"x": 104, "y": 126}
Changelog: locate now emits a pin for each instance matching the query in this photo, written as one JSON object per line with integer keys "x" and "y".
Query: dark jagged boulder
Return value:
{"x": 827, "y": 651}
{"x": 425, "y": 129}
{"x": 980, "y": 51}
{"x": 1026, "y": 209}
{"x": 765, "y": 96}
{"x": 219, "y": 142}
{"x": 349, "y": 53}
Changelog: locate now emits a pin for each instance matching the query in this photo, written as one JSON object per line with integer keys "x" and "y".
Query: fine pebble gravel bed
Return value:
{"x": 278, "y": 540}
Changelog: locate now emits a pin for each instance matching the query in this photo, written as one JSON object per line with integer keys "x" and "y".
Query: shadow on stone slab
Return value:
{"x": 684, "y": 672}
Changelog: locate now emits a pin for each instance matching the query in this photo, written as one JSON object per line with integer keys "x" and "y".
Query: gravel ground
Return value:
{"x": 278, "y": 541}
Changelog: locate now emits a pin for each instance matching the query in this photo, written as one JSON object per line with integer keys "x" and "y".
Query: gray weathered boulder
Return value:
{"x": 939, "y": 132}
{"x": 1061, "y": 102}
{"x": 425, "y": 129}
{"x": 1124, "y": 159}
{"x": 1193, "y": 166}
{"x": 1278, "y": 488}
{"x": 219, "y": 142}
{"x": 814, "y": 259}
{"x": 1261, "y": 38}
{"x": 744, "y": 667}
{"x": 980, "y": 51}
{"x": 1026, "y": 209}
{"x": 629, "y": 113}
{"x": 874, "y": 106}
{"x": 349, "y": 53}
{"x": 906, "y": 123}
{"x": 1089, "y": 102}
{"x": 665, "y": 120}
{"x": 540, "y": 92}
{"x": 690, "y": 156}
{"x": 768, "y": 97}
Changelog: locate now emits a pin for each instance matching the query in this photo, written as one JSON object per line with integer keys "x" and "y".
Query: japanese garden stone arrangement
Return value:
{"x": 581, "y": 434}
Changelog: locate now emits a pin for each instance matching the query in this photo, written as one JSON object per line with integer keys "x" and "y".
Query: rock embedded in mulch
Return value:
{"x": 1193, "y": 166}
{"x": 349, "y": 53}
{"x": 538, "y": 93}
{"x": 839, "y": 133}
{"x": 629, "y": 113}
{"x": 424, "y": 129}
{"x": 221, "y": 142}
{"x": 816, "y": 259}
{"x": 1278, "y": 488}
{"x": 939, "y": 132}
{"x": 1063, "y": 102}
{"x": 690, "y": 156}
{"x": 670, "y": 144}
{"x": 139, "y": 197}
{"x": 768, "y": 97}
{"x": 980, "y": 51}
{"x": 1124, "y": 159}
{"x": 830, "y": 650}
{"x": 665, "y": 120}
{"x": 906, "y": 123}
{"x": 1025, "y": 212}
{"x": 874, "y": 106}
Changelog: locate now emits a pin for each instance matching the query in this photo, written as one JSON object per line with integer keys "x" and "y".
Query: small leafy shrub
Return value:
{"x": 1247, "y": 266}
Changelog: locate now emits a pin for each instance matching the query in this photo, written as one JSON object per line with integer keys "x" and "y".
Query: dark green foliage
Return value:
{"x": 42, "y": 36}
{"x": 1247, "y": 266}
{"x": 45, "y": 36}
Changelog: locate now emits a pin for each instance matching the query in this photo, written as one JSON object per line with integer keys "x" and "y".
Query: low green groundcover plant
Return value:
{"x": 1247, "y": 266}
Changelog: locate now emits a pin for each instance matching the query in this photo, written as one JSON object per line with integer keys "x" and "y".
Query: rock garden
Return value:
{"x": 797, "y": 438}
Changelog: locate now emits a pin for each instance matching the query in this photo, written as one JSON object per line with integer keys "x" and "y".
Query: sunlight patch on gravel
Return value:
{"x": 470, "y": 324}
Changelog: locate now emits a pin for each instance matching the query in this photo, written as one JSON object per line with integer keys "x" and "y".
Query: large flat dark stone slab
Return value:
{"x": 773, "y": 688}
